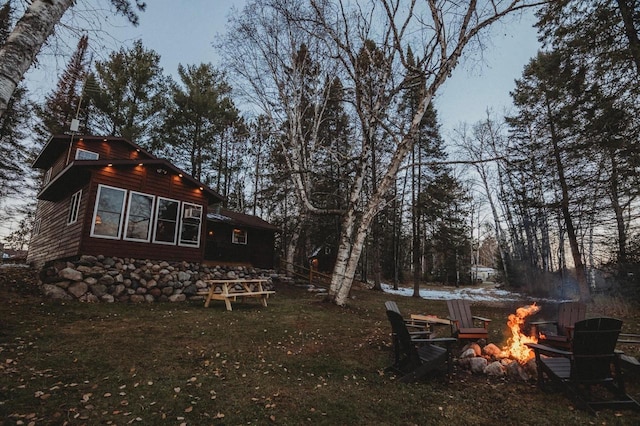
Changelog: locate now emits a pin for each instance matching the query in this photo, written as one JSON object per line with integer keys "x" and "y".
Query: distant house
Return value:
{"x": 106, "y": 195}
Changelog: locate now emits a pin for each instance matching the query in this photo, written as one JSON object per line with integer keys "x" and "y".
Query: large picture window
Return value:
{"x": 139, "y": 217}
{"x": 108, "y": 213}
{"x": 74, "y": 208}
{"x": 166, "y": 221}
{"x": 190, "y": 225}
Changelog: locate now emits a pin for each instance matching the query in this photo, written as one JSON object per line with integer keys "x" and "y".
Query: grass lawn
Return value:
{"x": 298, "y": 361}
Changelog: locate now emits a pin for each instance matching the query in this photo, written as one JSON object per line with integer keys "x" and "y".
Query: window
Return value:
{"x": 166, "y": 221}
{"x": 109, "y": 209}
{"x": 190, "y": 225}
{"x": 139, "y": 217}
{"x": 74, "y": 207}
{"x": 83, "y": 154}
{"x": 239, "y": 236}
{"x": 47, "y": 175}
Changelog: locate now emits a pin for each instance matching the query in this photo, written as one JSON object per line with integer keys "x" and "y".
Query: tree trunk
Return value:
{"x": 24, "y": 43}
{"x": 581, "y": 276}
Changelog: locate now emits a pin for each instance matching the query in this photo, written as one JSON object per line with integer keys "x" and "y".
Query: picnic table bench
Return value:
{"x": 229, "y": 290}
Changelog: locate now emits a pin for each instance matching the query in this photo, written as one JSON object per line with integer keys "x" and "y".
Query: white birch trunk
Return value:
{"x": 24, "y": 43}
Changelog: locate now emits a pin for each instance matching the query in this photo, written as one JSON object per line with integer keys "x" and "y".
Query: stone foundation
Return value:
{"x": 111, "y": 279}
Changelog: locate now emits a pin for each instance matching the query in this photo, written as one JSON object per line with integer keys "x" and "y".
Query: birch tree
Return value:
{"x": 19, "y": 51}
{"x": 438, "y": 31}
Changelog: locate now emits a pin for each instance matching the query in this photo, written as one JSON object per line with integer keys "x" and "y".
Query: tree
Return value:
{"x": 64, "y": 103}
{"x": 14, "y": 153}
{"x": 20, "y": 49}
{"x": 341, "y": 30}
{"x": 130, "y": 95}
{"x": 198, "y": 120}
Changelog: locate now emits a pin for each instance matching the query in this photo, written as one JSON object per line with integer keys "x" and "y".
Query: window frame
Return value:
{"x": 74, "y": 207}
{"x": 235, "y": 240}
{"x": 184, "y": 206}
{"x": 95, "y": 213}
{"x": 157, "y": 221}
{"x": 128, "y": 216}
{"x": 80, "y": 151}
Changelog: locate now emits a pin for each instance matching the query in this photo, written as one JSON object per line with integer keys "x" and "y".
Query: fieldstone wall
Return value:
{"x": 111, "y": 279}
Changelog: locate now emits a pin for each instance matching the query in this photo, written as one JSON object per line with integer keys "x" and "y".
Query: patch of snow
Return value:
{"x": 480, "y": 294}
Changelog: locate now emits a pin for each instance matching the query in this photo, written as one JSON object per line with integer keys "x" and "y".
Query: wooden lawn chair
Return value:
{"x": 560, "y": 335}
{"x": 592, "y": 364}
{"x": 415, "y": 357}
{"x": 463, "y": 324}
{"x": 416, "y": 329}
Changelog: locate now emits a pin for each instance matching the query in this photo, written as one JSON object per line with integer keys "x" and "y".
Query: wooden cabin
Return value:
{"x": 236, "y": 237}
{"x": 107, "y": 196}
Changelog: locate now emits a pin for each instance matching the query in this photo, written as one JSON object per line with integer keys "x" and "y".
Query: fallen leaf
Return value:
{"x": 188, "y": 409}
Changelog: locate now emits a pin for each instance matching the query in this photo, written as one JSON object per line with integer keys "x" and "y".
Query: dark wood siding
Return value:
{"x": 56, "y": 239}
{"x": 259, "y": 250}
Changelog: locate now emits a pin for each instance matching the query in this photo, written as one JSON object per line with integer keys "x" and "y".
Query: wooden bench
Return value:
{"x": 229, "y": 290}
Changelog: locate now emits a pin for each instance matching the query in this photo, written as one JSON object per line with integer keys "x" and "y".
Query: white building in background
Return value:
{"x": 482, "y": 273}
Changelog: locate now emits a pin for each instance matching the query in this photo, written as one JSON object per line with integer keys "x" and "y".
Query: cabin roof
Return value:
{"x": 57, "y": 144}
{"x": 240, "y": 219}
{"x": 80, "y": 170}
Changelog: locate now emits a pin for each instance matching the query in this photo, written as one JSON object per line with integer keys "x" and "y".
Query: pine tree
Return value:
{"x": 130, "y": 95}
{"x": 200, "y": 121}
{"x": 66, "y": 101}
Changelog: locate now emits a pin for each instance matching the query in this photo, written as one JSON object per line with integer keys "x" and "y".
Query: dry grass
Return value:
{"x": 298, "y": 361}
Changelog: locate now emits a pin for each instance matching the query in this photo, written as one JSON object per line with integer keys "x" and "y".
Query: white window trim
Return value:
{"x": 95, "y": 212}
{"x": 74, "y": 208}
{"x": 235, "y": 241}
{"x": 80, "y": 150}
{"x": 126, "y": 220}
{"x": 183, "y": 207}
{"x": 156, "y": 220}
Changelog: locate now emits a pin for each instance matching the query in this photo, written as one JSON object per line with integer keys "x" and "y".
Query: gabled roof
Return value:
{"x": 57, "y": 144}
{"x": 79, "y": 170}
{"x": 240, "y": 219}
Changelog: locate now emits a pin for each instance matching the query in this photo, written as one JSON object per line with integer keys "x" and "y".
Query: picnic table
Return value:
{"x": 230, "y": 289}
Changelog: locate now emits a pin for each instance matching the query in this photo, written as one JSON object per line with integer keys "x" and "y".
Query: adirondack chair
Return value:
{"x": 592, "y": 361}
{"x": 463, "y": 324}
{"x": 561, "y": 329}
{"x": 417, "y": 357}
{"x": 416, "y": 329}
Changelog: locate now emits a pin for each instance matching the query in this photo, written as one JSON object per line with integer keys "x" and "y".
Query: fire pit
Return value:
{"x": 514, "y": 359}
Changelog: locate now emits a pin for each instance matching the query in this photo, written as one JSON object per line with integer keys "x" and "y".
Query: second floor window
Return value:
{"x": 83, "y": 154}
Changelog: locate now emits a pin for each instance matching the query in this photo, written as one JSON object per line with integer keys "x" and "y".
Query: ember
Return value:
{"x": 516, "y": 348}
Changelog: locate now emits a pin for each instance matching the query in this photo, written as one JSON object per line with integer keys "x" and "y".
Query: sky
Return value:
{"x": 182, "y": 32}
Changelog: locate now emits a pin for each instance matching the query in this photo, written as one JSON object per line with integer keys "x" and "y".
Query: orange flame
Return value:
{"x": 516, "y": 347}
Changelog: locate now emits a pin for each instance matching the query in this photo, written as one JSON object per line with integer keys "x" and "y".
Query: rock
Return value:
{"x": 492, "y": 350}
{"x": 55, "y": 292}
{"x": 70, "y": 274}
{"x": 516, "y": 370}
{"x": 477, "y": 365}
{"x": 231, "y": 275}
{"x": 78, "y": 288}
{"x": 119, "y": 290}
{"x": 191, "y": 290}
{"x": 494, "y": 369}
{"x": 63, "y": 284}
{"x": 183, "y": 276}
{"x": 98, "y": 289}
{"x": 476, "y": 348}
{"x": 136, "y": 298}
{"x": 469, "y": 353}
{"x": 106, "y": 280}
{"x": 167, "y": 291}
{"x": 107, "y": 298}
{"x": 177, "y": 298}
{"x": 90, "y": 281}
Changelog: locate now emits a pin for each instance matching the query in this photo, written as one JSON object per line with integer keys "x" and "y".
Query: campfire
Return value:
{"x": 516, "y": 348}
